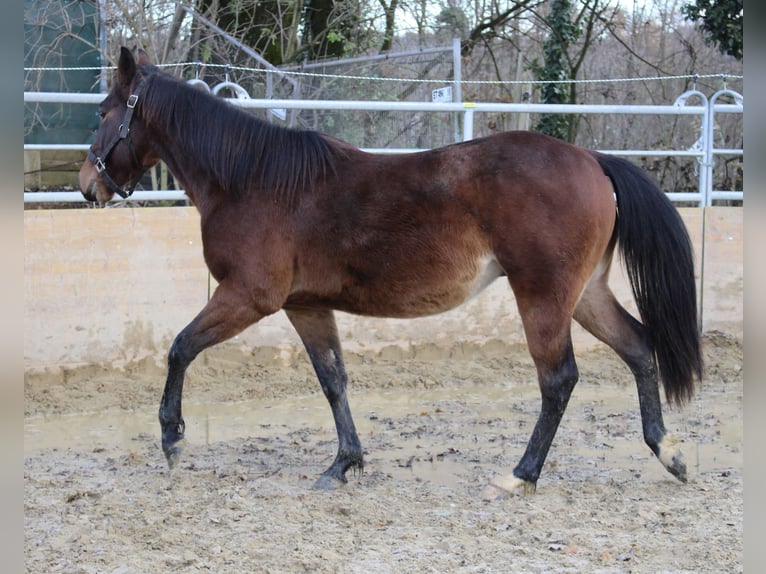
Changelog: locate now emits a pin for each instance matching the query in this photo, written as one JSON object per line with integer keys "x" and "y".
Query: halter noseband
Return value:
{"x": 99, "y": 162}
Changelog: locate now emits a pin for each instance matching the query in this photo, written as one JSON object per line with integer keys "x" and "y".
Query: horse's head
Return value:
{"x": 122, "y": 150}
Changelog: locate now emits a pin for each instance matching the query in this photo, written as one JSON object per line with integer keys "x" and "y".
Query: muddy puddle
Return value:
{"x": 210, "y": 423}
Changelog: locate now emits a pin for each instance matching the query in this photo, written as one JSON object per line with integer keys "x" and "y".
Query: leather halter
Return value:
{"x": 99, "y": 162}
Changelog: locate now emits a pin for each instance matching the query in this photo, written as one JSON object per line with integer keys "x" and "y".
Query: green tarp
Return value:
{"x": 60, "y": 34}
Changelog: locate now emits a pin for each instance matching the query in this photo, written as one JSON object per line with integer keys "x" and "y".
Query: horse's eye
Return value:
{"x": 100, "y": 114}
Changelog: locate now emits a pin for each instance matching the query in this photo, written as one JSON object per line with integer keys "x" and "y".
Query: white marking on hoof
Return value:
{"x": 669, "y": 451}
{"x": 671, "y": 457}
{"x": 506, "y": 485}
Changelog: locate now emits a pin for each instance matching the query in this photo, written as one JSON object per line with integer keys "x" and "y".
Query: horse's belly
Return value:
{"x": 488, "y": 269}
{"x": 421, "y": 295}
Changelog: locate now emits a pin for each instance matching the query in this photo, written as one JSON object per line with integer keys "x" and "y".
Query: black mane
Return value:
{"x": 242, "y": 152}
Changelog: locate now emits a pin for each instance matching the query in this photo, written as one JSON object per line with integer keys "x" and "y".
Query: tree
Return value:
{"x": 571, "y": 34}
{"x": 490, "y": 23}
{"x": 563, "y": 33}
{"x": 720, "y": 22}
{"x": 389, "y": 10}
{"x": 268, "y": 27}
{"x": 328, "y": 28}
{"x": 345, "y": 28}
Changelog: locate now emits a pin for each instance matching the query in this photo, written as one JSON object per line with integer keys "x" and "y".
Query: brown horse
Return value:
{"x": 303, "y": 222}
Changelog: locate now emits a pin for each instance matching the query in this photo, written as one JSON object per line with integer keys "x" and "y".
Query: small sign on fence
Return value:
{"x": 442, "y": 95}
{"x": 281, "y": 113}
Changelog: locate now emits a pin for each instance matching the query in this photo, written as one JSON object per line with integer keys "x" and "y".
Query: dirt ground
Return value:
{"x": 99, "y": 496}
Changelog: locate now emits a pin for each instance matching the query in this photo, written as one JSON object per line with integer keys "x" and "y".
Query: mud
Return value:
{"x": 436, "y": 429}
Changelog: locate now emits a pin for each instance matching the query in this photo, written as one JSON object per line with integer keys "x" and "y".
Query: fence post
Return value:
{"x": 468, "y": 121}
{"x": 710, "y": 146}
{"x": 702, "y": 142}
{"x": 457, "y": 77}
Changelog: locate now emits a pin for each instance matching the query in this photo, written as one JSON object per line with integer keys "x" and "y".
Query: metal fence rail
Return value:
{"x": 704, "y": 149}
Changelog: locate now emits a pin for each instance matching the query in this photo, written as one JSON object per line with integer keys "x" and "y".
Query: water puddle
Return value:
{"x": 714, "y": 446}
{"x": 225, "y": 421}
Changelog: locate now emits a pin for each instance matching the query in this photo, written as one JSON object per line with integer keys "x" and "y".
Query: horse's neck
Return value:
{"x": 190, "y": 172}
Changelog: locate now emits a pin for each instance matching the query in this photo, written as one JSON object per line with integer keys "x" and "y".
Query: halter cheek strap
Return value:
{"x": 99, "y": 162}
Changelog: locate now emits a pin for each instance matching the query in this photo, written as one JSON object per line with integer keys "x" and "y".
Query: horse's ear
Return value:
{"x": 126, "y": 66}
{"x": 143, "y": 58}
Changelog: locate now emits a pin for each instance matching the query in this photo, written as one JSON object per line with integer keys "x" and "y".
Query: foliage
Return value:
{"x": 720, "y": 21}
{"x": 329, "y": 28}
{"x": 454, "y": 20}
{"x": 251, "y": 23}
{"x": 563, "y": 33}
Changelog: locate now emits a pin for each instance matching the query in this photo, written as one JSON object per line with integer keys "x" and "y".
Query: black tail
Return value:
{"x": 659, "y": 259}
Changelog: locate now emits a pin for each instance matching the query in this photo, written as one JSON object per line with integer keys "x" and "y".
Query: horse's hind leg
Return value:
{"x": 319, "y": 334}
{"x": 547, "y": 327}
{"x": 229, "y": 311}
{"x": 599, "y": 312}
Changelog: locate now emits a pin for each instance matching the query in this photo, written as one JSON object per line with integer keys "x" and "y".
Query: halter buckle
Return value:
{"x": 99, "y": 165}
{"x": 132, "y": 100}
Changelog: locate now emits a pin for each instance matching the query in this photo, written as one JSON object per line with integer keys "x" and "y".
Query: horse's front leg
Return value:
{"x": 229, "y": 311}
{"x": 319, "y": 334}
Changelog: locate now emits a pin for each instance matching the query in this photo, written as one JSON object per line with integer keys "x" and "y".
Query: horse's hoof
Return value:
{"x": 173, "y": 453}
{"x": 505, "y": 485}
{"x": 672, "y": 458}
{"x": 677, "y": 468}
{"x": 328, "y": 482}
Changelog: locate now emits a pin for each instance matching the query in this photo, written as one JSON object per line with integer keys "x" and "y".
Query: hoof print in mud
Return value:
{"x": 491, "y": 493}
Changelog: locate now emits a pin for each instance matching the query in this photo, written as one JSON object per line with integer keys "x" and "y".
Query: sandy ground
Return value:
{"x": 99, "y": 497}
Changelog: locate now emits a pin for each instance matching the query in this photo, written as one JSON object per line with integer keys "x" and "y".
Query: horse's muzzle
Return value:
{"x": 88, "y": 180}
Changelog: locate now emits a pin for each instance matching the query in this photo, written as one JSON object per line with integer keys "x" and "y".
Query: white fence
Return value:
{"x": 703, "y": 149}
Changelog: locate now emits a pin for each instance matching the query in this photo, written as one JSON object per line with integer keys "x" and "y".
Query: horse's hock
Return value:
{"x": 114, "y": 286}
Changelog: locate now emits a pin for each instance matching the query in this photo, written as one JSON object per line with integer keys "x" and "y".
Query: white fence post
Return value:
{"x": 468, "y": 121}
{"x": 702, "y": 143}
{"x": 710, "y": 149}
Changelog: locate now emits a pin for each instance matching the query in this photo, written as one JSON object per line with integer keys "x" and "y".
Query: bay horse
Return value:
{"x": 303, "y": 222}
